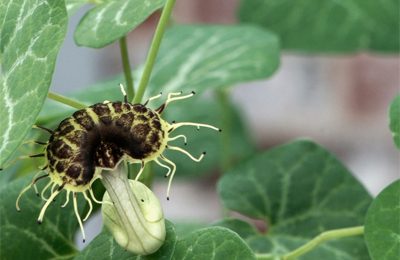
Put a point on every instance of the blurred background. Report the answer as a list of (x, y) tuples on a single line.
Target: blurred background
[(340, 101)]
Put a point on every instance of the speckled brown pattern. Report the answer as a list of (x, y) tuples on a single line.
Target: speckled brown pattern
[(99, 136)]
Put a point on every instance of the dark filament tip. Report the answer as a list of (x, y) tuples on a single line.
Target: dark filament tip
[(45, 129), (41, 143), (37, 155)]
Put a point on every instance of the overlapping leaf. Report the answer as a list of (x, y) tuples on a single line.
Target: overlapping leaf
[(382, 224), (73, 5), (110, 20), (209, 243), (210, 57), (21, 236), (31, 34), (299, 190), (242, 228), (328, 26)]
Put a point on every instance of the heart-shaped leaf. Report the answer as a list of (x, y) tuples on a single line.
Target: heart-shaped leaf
[(200, 57), (328, 26), (208, 243), (111, 20), (31, 35), (299, 190), (22, 238), (382, 224), (242, 228)]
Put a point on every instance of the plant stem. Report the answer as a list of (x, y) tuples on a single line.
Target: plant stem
[(155, 46), (65, 100), (127, 68), (324, 236), (264, 256)]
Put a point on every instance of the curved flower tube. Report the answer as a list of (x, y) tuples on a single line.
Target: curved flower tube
[(135, 219)]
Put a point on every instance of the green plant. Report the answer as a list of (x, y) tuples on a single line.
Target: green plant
[(312, 205)]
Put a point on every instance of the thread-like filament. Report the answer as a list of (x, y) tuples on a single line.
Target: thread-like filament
[(152, 98), (90, 206), (35, 179), (35, 142), (97, 201), (42, 128), (140, 171), (22, 157), (123, 92), (53, 188), (163, 165), (174, 126), (78, 217), (187, 153), (66, 199), (177, 137), (44, 190), (46, 205), (172, 173), (176, 96)]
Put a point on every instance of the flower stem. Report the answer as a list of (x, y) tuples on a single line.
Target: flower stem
[(324, 236), (127, 68), (65, 100), (155, 46)]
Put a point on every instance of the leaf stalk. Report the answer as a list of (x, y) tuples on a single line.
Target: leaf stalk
[(127, 68), (65, 100), (155, 46), (321, 238)]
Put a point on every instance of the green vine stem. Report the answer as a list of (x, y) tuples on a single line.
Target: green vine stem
[(155, 46), (65, 100), (127, 68), (324, 236)]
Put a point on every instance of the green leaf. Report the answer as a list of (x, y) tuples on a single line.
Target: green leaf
[(273, 247), (22, 238), (299, 189), (73, 5), (31, 35), (382, 224), (200, 57), (394, 117), (212, 243), (242, 228), (199, 68), (208, 243), (208, 111), (328, 26), (105, 247), (111, 20), (184, 227)]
